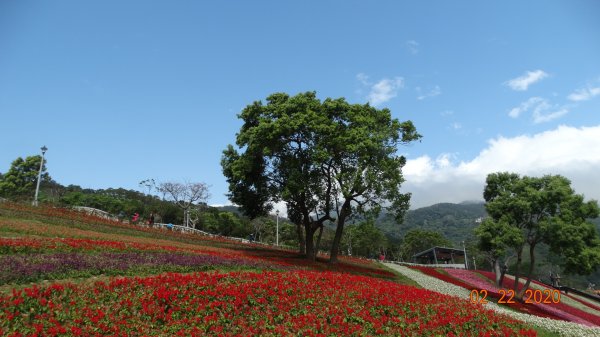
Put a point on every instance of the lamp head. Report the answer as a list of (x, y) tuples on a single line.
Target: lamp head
[(44, 149)]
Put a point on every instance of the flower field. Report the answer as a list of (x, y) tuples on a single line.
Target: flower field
[(32, 267), (304, 303), (561, 327), (570, 299), (475, 284), (559, 310), (25, 229), (68, 274)]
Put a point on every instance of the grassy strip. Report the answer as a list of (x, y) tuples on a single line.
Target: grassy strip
[(399, 277)]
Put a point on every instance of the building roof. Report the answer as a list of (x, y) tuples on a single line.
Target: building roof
[(441, 251)]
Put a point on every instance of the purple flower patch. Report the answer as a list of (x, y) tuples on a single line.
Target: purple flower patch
[(24, 267)]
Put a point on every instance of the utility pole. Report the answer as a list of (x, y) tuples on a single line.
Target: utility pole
[(465, 252), (37, 188), (277, 229)]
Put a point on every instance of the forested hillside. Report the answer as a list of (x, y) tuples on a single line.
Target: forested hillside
[(454, 221), (457, 221)]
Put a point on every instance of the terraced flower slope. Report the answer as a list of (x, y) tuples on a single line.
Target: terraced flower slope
[(303, 303), (561, 318), (67, 274)]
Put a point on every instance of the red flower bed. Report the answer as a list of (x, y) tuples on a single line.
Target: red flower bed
[(586, 303), (444, 277), (206, 245), (247, 304), (57, 212), (491, 276), (9, 245), (541, 309), (270, 256), (509, 283), (492, 292)]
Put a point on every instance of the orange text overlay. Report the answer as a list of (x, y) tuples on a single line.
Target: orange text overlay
[(531, 296)]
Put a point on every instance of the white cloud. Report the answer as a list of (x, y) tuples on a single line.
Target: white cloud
[(544, 113), (413, 46), (281, 207), (220, 205), (584, 94), (382, 91), (523, 107), (363, 78), (278, 206), (456, 125), (569, 151), (542, 110), (521, 83), (432, 93), (444, 160)]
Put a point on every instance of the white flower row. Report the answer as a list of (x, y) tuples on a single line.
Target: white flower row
[(567, 329)]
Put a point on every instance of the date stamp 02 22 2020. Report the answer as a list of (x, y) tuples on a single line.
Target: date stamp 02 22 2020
[(536, 296)]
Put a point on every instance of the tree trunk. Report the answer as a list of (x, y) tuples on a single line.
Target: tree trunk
[(530, 271), (498, 272), (318, 244), (339, 230), (503, 268), (301, 241), (335, 246), (518, 269), (311, 254)]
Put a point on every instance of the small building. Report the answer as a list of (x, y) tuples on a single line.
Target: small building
[(441, 257)]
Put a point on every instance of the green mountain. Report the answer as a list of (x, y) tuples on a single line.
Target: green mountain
[(455, 221), (230, 208)]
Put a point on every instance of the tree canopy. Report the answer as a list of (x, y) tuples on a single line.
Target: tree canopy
[(496, 238), (364, 239), (528, 211), (418, 240), (20, 180), (326, 160), (185, 195)]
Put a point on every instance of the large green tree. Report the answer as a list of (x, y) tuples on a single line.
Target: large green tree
[(542, 210), (418, 240), (20, 180), (496, 238), (362, 162), (326, 160), (364, 239)]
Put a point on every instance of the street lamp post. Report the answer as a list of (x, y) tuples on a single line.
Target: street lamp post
[(37, 188), (277, 229), (465, 251)]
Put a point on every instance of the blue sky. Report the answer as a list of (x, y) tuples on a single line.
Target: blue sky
[(122, 91)]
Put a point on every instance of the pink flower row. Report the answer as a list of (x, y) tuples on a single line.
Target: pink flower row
[(558, 309)]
